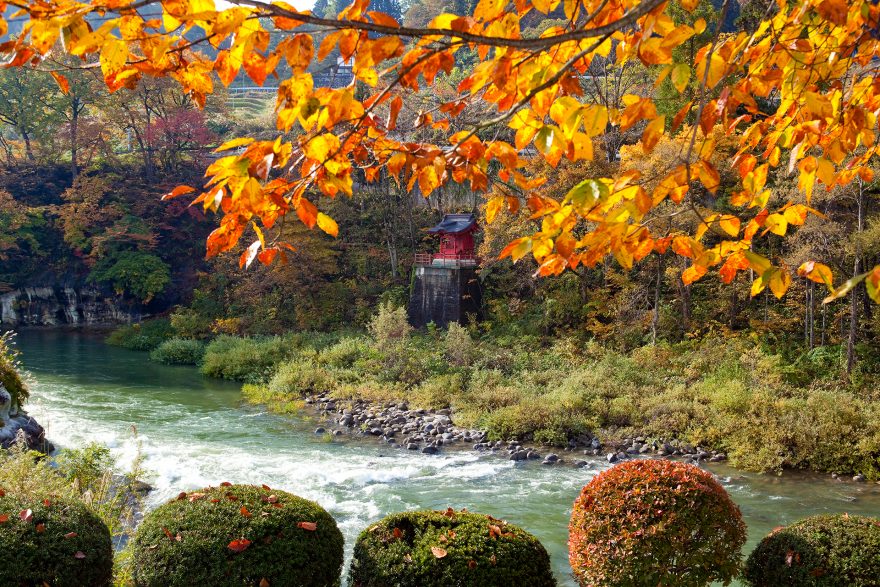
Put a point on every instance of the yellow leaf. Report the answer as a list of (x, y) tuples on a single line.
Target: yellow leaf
[(489, 9), (817, 272), (777, 224), (758, 263), (780, 280), (652, 133), (681, 75), (114, 54), (494, 206), (327, 224), (239, 142), (517, 249), (729, 224)]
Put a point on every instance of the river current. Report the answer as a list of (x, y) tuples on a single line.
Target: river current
[(193, 432)]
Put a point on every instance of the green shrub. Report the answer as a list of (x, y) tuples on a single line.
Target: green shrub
[(179, 351), (187, 323), (390, 324), (10, 370), (86, 466), (237, 535), (460, 347), (818, 551), (428, 548), (246, 359), (53, 542), (298, 378), (645, 523), (144, 336), (137, 273)]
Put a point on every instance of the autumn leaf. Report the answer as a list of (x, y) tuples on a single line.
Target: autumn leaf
[(178, 191), (438, 552), (327, 224), (310, 526), (79, 555), (4, 518), (26, 515), (239, 545)]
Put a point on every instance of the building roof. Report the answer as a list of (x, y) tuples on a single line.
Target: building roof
[(455, 223)]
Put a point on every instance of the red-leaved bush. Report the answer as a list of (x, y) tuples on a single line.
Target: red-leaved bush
[(652, 522)]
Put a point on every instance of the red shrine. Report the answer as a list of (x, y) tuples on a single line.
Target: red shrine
[(456, 242)]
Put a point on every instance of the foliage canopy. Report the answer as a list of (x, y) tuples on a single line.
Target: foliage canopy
[(798, 92)]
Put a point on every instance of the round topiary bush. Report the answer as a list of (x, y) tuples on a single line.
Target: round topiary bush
[(818, 551), (236, 535), (53, 542), (428, 548), (653, 522)]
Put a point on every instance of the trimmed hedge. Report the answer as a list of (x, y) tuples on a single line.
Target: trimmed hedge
[(54, 542), (433, 548), (818, 551), (655, 522), (236, 535)]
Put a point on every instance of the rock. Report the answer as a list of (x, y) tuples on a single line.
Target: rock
[(138, 486), (612, 458), (621, 456), (337, 433), (859, 478), (645, 449), (320, 430), (532, 455), (581, 464), (595, 444), (412, 446), (24, 428), (718, 458), (430, 450), (519, 455), (551, 458), (376, 431)]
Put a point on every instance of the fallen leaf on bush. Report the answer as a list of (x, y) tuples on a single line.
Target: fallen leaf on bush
[(181, 496), (397, 533), (47, 503), (195, 496), (442, 538), (494, 531), (263, 581), (168, 534), (451, 534), (266, 487), (449, 513), (310, 526), (71, 535), (79, 554), (4, 518), (472, 564), (226, 484), (239, 545), (244, 512), (492, 560), (215, 500), (26, 515), (272, 498), (41, 528), (2, 493), (231, 497), (438, 552)]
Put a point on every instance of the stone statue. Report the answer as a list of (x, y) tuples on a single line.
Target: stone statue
[(13, 422), (5, 405)]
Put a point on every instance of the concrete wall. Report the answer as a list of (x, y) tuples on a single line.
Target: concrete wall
[(444, 294)]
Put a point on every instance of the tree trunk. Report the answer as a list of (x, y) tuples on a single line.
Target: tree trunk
[(853, 294), (658, 286), (28, 151), (74, 139)]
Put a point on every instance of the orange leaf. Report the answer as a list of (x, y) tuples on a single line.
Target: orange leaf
[(239, 545), (62, 82), (244, 512), (178, 191), (4, 518), (310, 526)]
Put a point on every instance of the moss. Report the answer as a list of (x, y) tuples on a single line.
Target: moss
[(819, 551), (208, 522), (61, 544), (428, 548)]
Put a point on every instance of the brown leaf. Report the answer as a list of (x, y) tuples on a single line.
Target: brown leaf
[(168, 534), (397, 533), (41, 528), (79, 554), (438, 552), (310, 526), (226, 484), (244, 512), (266, 487), (47, 503), (71, 535), (264, 582), (239, 545), (26, 515), (181, 496), (472, 564), (2, 492), (4, 518), (272, 498)]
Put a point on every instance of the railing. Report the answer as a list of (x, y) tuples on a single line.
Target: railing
[(463, 258)]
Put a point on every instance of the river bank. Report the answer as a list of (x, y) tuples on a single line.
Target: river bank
[(194, 431)]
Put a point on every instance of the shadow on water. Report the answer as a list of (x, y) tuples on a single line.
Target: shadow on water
[(195, 432)]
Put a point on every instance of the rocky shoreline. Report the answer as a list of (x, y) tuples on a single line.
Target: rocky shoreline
[(430, 432)]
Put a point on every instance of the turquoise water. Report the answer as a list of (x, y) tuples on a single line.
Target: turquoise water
[(195, 431)]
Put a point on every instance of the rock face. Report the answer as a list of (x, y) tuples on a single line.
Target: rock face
[(25, 427), (61, 306)]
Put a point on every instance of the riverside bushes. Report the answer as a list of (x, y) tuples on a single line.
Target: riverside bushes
[(179, 351), (818, 551), (236, 535), (434, 548), (53, 542), (144, 336), (648, 523)]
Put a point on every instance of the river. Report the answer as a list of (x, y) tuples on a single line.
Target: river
[(194, 432)]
